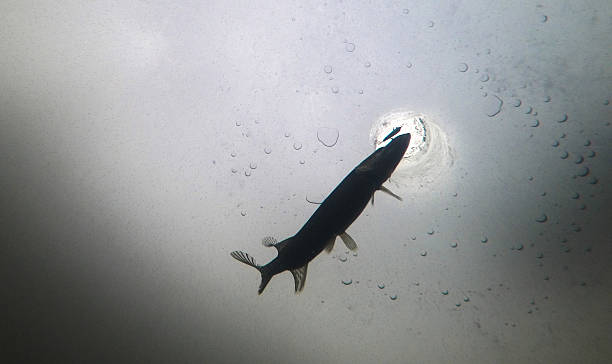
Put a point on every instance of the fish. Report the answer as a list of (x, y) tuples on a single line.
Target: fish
[(333, 216), (392, 133)]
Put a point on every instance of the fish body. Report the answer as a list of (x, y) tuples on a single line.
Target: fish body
[(333, 217)]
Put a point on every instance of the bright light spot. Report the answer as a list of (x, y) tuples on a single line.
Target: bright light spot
[(428, 153)]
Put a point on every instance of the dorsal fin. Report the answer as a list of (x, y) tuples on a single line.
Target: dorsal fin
[(299, 277)]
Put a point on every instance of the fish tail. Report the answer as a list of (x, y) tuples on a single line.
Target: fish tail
[(263, 270)]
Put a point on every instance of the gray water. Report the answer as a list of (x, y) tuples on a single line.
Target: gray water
[(142, 142)]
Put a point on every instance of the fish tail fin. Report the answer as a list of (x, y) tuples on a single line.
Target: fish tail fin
[(249, 260), (265, 279)]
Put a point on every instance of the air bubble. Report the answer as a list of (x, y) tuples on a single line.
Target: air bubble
[(583, 171), (424, 253), (528, 110), (544, 18), (393, 297), (444, 292), (347, 282), (555, 143), (494, 106), (535, 123), (564, 154), (484, 239), (517, 102), (563, 119), (381, 285), (453, 244), (243, 213), (349, 47), (328, 136)]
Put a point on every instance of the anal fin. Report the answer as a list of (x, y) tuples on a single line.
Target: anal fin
[(348, 241), (299, 277), (330, 245)]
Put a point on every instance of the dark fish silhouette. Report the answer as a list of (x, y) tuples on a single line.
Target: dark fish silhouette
[(392, 133), (335, 214)]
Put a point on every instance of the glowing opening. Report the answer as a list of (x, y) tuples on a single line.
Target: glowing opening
[(428, 152)]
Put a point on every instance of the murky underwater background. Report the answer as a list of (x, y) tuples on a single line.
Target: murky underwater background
[(141, 142)]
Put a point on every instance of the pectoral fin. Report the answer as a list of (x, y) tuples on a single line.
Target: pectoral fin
[(299, 277), (386, 190), (348, 241), (330, 245)]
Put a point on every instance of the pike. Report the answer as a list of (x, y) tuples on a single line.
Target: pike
[(335, 214)]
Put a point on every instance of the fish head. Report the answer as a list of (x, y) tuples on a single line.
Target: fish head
[(383, 161)]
